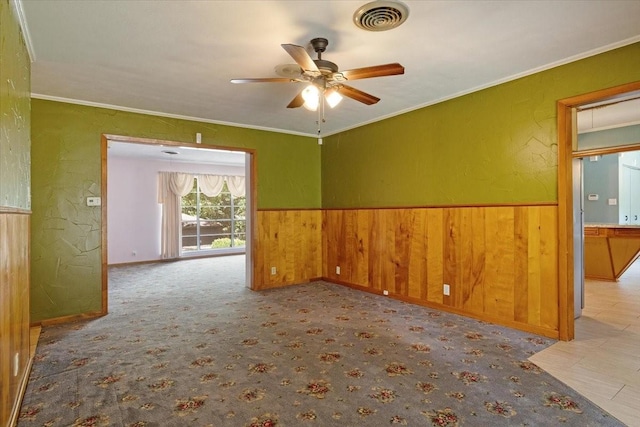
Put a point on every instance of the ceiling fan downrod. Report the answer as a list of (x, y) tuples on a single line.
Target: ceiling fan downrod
[(319, 45)]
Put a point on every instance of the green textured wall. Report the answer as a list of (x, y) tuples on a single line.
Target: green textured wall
[(15, 112), (66, 252), (498, 145)]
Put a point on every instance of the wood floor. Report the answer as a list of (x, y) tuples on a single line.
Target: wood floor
[(603, 362)]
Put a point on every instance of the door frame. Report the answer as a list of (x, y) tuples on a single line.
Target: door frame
[(566, 152), (250, 166)]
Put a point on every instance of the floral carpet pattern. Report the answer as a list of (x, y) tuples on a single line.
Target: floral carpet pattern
[(186, 344)]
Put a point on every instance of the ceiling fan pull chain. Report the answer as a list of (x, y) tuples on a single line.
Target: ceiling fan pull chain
[(319, 116)]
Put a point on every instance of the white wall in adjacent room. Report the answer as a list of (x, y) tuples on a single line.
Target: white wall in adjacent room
[(133, 211)]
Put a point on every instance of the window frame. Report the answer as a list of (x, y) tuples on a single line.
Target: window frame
[(233, 220)]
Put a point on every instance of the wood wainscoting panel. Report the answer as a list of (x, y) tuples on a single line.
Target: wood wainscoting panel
[(14, 312), (499, 261), (290, 241), (499, 288)]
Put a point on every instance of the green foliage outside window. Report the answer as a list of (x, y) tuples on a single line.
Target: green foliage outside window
[(214, 219), (225, 242)]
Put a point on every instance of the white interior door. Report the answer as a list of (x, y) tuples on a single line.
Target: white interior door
[(624, 196)]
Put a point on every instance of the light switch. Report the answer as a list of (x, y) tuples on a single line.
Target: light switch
[(612, 202), (592, 197), (94, 201)]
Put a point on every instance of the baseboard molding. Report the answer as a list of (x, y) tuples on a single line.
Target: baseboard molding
[(549, 333), (70, 319), (182, 258), (24, 381)]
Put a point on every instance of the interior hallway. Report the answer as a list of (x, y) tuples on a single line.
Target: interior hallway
[(603, 362)]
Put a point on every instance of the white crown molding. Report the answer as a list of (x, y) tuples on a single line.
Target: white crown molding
[(169, 115), (17, 6)]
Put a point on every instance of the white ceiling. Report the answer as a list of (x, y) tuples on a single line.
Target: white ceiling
[(176, 154), (176, 58)]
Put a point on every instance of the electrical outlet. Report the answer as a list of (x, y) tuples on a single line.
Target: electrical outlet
[(446, 289), (273, 271), (385, 292), (338, 270)]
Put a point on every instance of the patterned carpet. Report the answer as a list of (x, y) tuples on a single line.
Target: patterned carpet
[(186, 344)]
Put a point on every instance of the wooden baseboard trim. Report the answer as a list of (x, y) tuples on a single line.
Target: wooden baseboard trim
[(24, 381), (549, 333), (70, 319)]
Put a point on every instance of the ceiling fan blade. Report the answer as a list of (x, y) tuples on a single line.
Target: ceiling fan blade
[(300, 55), (297, 101), (358, 95), (264, 80), (374, 71)]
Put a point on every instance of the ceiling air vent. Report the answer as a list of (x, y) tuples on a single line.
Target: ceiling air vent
[(381, 15)]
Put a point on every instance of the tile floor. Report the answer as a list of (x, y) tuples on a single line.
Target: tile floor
[(603, 362)]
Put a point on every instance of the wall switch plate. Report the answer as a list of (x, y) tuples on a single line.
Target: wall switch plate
[(338, 269), (273, 271), (612, 202), (446, 289), (592, 197), (385, 292), (94, 201)]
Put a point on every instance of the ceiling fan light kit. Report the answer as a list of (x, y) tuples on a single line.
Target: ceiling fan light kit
[(332, 97), (311, 96), (325, 83)]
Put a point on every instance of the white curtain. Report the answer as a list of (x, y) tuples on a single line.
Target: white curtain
[(211, 185), (171, 187), (236, 185)]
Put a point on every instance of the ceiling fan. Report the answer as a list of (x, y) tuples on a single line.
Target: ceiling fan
[(325, 78)]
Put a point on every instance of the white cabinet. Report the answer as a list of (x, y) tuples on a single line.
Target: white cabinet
[(629, 194)]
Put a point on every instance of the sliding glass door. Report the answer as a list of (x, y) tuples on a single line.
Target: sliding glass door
[(212, 223)]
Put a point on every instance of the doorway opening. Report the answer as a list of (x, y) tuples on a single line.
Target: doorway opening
[(569, 222), (138, 221)]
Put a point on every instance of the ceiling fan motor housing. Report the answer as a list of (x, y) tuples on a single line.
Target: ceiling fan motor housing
[(326, 67), (319, 45)]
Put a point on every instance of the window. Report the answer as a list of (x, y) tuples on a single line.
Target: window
[(212, 223)]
